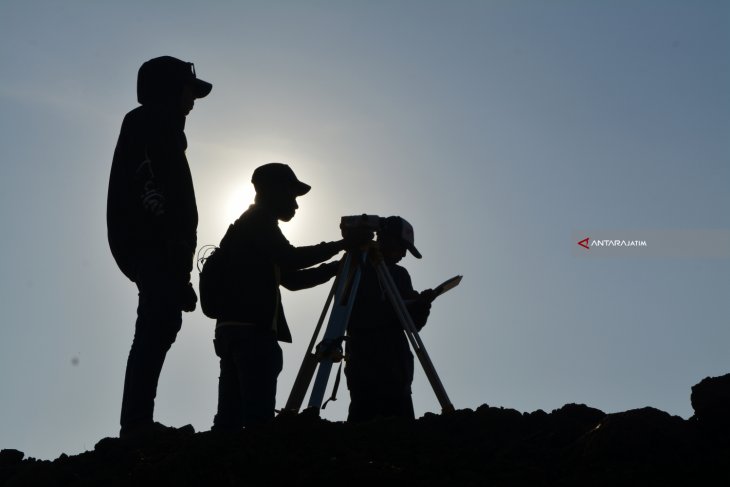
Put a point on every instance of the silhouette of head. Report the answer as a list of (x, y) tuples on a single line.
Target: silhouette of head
[(170, 83), (395, 237), (277, 188)]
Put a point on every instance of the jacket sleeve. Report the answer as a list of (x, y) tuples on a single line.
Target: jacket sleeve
[(306, 278), (151, 192), (417, 306), (294, 258), (139, 157)]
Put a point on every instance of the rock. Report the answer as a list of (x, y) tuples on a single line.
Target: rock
[(578, 413), (576, 417), (574, 445), (639, 436), (711, 402), (10, 457), (10, 462)]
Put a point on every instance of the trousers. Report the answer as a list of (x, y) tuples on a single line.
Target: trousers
[(379, 375), (250, 362), (159, 319)]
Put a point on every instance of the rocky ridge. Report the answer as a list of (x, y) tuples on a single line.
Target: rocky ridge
[(571, 446)]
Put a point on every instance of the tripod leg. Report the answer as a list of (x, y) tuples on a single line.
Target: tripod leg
[(336, 327), (309, 363), (412, 333)]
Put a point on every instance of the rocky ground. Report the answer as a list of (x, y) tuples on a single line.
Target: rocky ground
[(571, 446)]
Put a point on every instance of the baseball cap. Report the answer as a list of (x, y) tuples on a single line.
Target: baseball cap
[(398, 227), (158, 76), (278, 175)]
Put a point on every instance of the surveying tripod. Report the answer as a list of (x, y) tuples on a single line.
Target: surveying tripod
[(328, 351)]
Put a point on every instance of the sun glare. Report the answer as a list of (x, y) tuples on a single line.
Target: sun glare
[(243, 196), (238, 201), (236, 192)]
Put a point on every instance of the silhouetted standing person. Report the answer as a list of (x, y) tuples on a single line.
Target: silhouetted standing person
[(251, 320), (379, 367), (152, 221)]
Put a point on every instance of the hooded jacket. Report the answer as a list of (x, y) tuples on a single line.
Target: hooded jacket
[(151, 209)]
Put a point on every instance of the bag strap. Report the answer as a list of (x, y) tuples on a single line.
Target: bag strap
[(203, 254)]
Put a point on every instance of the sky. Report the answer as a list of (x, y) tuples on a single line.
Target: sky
[(503, 131)]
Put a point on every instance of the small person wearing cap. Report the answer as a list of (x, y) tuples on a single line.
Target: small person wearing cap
[(251, 318), (152, 220), (379, 367)]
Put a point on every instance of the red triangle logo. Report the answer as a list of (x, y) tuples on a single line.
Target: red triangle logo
[(584, 243)]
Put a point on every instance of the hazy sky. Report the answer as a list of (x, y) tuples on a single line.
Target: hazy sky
[(499, 129)]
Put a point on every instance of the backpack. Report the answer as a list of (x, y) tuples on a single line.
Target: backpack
[(213, 268)]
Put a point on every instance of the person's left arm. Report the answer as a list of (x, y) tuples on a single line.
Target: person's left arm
[(295, 280), (418, 304)]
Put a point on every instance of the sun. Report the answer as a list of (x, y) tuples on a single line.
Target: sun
[(238, 201), (243, 196)]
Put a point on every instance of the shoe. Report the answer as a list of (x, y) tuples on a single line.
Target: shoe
[(153, 430)]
